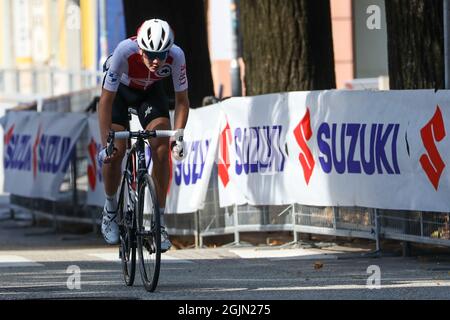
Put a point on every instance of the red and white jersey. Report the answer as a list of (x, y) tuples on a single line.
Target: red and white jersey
[(127, 67)]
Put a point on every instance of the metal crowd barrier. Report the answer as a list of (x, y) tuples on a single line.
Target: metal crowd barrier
[(70, 206), (351, 222)]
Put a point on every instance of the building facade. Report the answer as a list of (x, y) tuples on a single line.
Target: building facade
[(57, 40)]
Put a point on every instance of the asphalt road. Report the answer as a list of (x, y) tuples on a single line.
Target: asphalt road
[(36, 263)]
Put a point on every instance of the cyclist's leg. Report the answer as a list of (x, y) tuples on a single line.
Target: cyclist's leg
[(112, 172), (125, 98), (160, 173), (154, 115), (160, 158)]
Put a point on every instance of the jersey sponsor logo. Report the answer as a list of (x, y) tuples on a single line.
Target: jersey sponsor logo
[(113, 77), (431, 162), (164, 71), (148, 111), (183, 78)]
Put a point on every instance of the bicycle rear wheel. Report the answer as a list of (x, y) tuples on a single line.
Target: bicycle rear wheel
[(127, 224), (149, 233)]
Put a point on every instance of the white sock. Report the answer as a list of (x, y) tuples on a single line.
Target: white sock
[(161, 213), (111, 203)]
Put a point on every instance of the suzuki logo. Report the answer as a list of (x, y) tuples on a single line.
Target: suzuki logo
[(92, 168), (224, 157), (432, 162), (35, 150), (9, 135), (303, 133)]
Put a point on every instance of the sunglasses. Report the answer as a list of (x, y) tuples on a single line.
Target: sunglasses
[(157, 55)]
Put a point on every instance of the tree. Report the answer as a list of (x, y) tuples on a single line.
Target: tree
[(287, 45), (416, 53), (415, 44), (187, 19)]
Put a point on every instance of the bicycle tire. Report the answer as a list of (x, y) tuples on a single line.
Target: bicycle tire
[(149, 234), (127, 227)]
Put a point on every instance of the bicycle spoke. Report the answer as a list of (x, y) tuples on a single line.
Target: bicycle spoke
[(127, 229), (149, 241)]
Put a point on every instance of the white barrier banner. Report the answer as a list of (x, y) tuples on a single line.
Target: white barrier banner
[(339, 148), (252, 159), (385, 150), (37, 151), (190, 178)]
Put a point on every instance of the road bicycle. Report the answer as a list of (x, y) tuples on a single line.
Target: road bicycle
[(138, 210)]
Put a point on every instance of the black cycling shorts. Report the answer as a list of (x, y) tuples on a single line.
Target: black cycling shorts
[(150, 104)]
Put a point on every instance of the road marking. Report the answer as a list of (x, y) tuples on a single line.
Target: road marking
[(283, 254), (8, 261), (114, 257), (405, 284)]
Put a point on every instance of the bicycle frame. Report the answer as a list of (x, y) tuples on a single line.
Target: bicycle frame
[(138, 180), (139, 149)]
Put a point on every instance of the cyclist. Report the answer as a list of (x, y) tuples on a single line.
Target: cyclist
[(132, 79)]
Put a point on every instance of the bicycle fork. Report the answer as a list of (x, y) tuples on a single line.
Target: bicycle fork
[(131, 181), (141, 172)]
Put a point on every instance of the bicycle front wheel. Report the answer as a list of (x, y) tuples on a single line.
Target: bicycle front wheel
[(127, 227), (149, 233)]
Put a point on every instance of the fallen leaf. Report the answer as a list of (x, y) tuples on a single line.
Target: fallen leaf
[(318, 265)]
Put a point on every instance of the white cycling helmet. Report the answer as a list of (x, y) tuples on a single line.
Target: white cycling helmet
[(155, 35)]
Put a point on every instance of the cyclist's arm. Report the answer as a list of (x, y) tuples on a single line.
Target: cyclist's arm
[(180, 86), (116, 65), (181, 109), (104, 113)]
